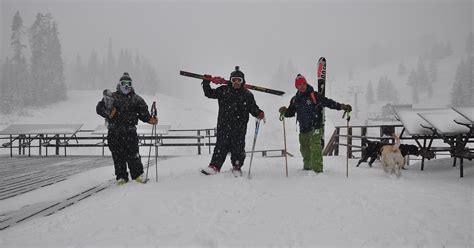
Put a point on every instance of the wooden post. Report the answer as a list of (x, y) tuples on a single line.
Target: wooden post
[(29, 145), (57, 144), (40, 143), (363, 140), (199, 142), (11, 146)]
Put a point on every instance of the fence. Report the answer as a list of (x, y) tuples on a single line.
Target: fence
[(199, 138)]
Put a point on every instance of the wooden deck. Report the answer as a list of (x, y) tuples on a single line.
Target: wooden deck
[(19, 175)]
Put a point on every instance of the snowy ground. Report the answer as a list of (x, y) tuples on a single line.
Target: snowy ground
[(431, 208)]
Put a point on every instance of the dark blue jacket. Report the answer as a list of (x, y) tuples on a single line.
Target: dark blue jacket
[(308, 109)]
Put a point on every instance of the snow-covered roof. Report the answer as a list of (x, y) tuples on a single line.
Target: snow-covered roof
[(141, 129), (16, 129)]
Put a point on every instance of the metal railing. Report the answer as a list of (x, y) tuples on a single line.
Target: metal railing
[(199, 138)]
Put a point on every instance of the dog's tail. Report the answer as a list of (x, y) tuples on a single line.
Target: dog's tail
[(396, 146)]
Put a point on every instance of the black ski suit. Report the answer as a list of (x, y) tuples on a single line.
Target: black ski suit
[(234, 108), (122, 136)]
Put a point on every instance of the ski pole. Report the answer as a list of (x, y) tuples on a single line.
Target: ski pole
[(257, 125), (282, 118), (347, 148), (153, 133), (156, 155)]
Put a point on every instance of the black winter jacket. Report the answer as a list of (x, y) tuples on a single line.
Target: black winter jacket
[(309, 113), (234, 108), (129, 107)]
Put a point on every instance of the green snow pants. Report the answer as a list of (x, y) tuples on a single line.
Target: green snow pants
[(311, 150)]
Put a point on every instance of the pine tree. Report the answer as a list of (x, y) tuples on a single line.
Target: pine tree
[(402, 70), (386, 91), (470, 44), (39, 66), (56, 64), (432, 71), (47, 67), (6, 98), (462, 93), (423, 81), (370, 92), (93, 70), (19, 69), (412, 81)]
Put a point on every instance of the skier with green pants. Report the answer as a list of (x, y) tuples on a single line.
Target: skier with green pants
[(307, 105)]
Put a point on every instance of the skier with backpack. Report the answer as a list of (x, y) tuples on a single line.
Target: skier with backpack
[(122, 115), (307, 105), (235, 104)]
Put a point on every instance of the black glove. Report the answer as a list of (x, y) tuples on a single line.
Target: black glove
[(346, 107), (207, 79), (282, 110)]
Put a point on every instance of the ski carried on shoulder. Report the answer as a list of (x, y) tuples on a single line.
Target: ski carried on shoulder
[(247, 86)]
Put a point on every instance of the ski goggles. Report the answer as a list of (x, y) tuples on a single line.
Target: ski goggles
[(126, 83), (237, 80)]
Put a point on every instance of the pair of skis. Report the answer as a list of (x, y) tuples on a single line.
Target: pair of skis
[(247, 86)]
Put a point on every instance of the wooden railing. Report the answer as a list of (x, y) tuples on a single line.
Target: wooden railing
[(356, 137)]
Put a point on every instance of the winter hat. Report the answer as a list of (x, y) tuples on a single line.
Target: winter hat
[(300, 80), (238, 73), (126, 77)]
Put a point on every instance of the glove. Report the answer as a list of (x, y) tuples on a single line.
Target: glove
[(206, 79), (346, 107), (112, 113), (261, 115), (153, 120), (282, 110), (217, 80)]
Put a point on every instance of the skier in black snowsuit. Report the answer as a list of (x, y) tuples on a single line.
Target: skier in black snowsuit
[(127, 109), (235, 104)]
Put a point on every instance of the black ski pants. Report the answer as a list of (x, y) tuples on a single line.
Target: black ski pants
[(229, 142), (123, 145)]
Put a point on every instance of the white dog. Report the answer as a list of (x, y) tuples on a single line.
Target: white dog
[(391, 159)]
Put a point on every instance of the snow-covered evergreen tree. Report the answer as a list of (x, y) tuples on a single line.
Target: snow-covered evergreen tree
[(402, 70), (386, 92), (19, 70), (47, 67), (93, 71), (370, 92), (412, 81), (462, 93), (470, 44), (6, 97), (58, 86), (432, 72)]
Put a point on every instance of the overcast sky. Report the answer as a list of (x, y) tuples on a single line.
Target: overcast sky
[(213, 36)]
